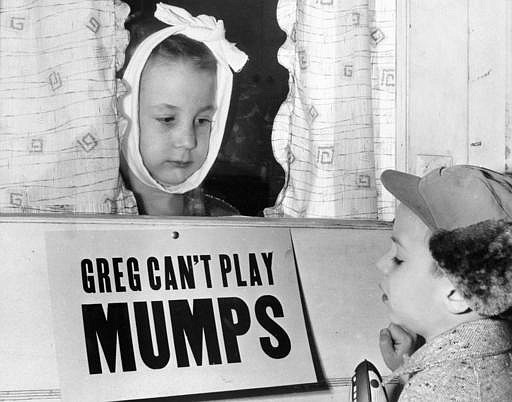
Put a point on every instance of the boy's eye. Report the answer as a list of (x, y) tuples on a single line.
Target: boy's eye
[(203, 125), (202, 121), (397, 261), (166, 119)]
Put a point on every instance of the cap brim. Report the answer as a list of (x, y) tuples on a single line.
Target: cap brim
[(405, 188)]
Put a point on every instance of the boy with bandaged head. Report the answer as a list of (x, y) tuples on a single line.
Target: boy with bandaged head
[(179, 76), (448, 278)]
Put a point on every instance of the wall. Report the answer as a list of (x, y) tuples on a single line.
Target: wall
[(455, 59), (336, 267)]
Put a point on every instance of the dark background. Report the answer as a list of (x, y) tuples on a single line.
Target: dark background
[(245, 174)]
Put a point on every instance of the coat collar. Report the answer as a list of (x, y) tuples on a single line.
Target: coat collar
[(485, 337)]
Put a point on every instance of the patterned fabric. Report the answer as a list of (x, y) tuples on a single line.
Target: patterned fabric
[(471, 363), (335, 133), (59, 147)]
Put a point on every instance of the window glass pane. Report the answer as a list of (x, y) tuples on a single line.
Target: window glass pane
[(311, 123)]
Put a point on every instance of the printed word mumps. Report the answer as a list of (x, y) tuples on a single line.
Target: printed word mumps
[(193, 323), (116, 274)]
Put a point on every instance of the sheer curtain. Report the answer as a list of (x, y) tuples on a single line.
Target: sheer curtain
[(335, 132), (58, 121)]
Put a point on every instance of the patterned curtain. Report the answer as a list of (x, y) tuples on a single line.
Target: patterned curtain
[(335, 133), (58, 123)]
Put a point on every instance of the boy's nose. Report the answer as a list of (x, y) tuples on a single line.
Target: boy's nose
[(186, 138)]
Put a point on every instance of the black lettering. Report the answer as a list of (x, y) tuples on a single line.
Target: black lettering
[(239, 280), (154, 282), (150, 359), (170, 277), (230, 329), (192, 325), (103, 278), (186, 272), (283, 340), (87, 276), (267, 259), (225, 267), (133, 274), (254, 271), (107, 330), (206, 262), (118, 274)]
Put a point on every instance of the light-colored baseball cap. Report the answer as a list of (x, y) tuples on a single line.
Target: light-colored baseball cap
[(453, 197), (459, 204)]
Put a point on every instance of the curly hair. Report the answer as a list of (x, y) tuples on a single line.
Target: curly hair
[(478, 260)]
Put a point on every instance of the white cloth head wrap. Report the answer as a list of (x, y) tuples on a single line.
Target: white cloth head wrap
[(211, 32)]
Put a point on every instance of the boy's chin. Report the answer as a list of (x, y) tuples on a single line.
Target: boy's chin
[(411, 328), (402, 323), (175, 180)]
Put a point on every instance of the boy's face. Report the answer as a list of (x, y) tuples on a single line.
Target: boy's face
[(413, 294), (176, 106)]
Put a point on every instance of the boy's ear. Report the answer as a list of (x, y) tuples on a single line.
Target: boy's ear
[(454, 302)]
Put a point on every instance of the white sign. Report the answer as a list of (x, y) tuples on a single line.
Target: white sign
[(152, 313)]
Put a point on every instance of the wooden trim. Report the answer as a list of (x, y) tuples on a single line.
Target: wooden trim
[(30, 395), (402, 84), (55, 394), (241, 221), (508, 83)]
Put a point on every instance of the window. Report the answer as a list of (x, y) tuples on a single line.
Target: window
[(308, 136), (333, 130)]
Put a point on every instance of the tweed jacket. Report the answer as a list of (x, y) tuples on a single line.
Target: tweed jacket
[(469, 363)]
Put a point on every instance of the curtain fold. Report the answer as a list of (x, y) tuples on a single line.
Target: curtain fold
[(334, 133), (58, 120)]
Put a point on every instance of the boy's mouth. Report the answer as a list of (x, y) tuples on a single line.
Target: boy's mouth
[(179, 164)]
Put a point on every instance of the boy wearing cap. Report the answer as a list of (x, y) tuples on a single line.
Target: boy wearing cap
[(448, 278)]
